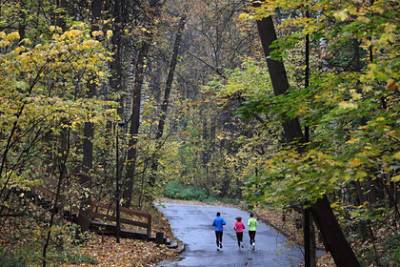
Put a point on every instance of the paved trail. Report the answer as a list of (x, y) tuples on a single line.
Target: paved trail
[(192, 224)]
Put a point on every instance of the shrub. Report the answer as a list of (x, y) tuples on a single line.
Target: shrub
[(10, 260), (392, 250), (177, 190)]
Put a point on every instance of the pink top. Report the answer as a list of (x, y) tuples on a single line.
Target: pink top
[(239, 227)]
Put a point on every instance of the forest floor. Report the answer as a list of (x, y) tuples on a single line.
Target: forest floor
[(21, 247), (128, 253), (131, 252)]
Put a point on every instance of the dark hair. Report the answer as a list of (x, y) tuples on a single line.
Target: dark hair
[(239, 219), (251, 214), (218, 213)]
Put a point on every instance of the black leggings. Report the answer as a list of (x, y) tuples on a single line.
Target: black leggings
[(218, 238), (239, 237), (252, 235)]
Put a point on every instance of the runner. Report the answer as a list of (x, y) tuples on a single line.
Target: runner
[(218, 224), (252, 224), (239, 228)]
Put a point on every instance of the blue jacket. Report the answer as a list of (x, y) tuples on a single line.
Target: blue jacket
[(218, 224)]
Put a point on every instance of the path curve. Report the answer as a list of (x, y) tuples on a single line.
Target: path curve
[(191, 223)]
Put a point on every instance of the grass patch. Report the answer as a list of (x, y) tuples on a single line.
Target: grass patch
[(177, 190)]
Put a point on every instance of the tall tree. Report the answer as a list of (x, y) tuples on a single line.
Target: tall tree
[(140, 65), (135, 123), (167, 92), (333, 237), (88, 132)]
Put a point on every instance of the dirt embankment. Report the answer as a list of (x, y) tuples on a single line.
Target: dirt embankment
[(130, 252), (16, 237), (289, 223)]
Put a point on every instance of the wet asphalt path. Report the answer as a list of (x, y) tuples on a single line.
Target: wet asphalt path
[(192, 225)]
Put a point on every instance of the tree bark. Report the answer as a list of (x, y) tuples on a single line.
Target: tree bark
[(310, 258), (280, 84), (116, 64), (135, 123), (135, 116), (170, 78), (87, 146), (333, 237), (167, 92), (62, 168)]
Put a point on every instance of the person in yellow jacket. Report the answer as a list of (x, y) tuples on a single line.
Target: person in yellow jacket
[(252, 226)]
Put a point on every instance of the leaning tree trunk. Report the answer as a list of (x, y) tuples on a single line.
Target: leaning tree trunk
[(333, 237), (154, 13), (167, 92), (135, 123)]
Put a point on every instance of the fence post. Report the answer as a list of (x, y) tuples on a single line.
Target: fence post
[(149, 226)]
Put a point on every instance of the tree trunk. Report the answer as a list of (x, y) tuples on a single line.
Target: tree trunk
[(87, 161), (116, 64), (332, 234), (135, 123), (22, 21), (62, 168), (155, 12), (170, 78), (309, 240), (278, 75), (167, 92), (310, 257)]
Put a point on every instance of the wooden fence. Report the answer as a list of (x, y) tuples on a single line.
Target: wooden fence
[(129, 218), (141, 219)]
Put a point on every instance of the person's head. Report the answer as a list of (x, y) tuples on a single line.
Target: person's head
[(218, 214), (239, 219), (251, 215)]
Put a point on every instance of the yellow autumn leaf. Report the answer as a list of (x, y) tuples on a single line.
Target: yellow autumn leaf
[(352, 141), (12, 36), (244, 16), (360, 175), (355, 95), (347, 105), (396, 178), (392, 85), (396, 155), (341, 15), (109, 34), (97, 33), (355, 163)]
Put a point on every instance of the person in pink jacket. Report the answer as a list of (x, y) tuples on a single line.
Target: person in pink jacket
[(239, 229)]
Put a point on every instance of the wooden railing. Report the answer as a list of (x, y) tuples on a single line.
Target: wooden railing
[(142, 219), (106, 213)]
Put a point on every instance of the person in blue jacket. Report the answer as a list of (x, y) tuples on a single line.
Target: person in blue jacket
[(218, 224)]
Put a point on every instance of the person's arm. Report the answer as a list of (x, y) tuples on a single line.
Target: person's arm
[(223, 222), (213, 224)]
